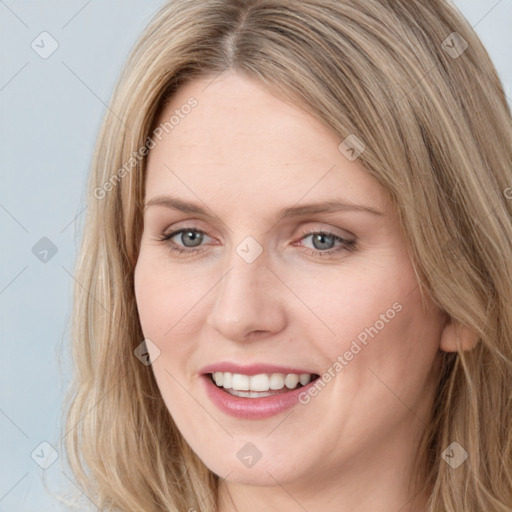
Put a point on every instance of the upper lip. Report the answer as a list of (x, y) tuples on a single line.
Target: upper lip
[(252, 369)]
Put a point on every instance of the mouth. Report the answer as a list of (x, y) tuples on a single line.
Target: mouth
[(255, 391), (261, 385)]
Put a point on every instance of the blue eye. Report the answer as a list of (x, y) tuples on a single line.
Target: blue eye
[(323, 242), (187, 235), (320, 239)]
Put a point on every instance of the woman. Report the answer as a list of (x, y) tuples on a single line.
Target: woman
[(295, 279)]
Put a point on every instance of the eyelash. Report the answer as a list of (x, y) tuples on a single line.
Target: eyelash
[(348, 245)]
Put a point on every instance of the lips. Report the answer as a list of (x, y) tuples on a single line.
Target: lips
[(256, 391)]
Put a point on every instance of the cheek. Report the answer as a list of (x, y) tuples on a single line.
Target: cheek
[(352, 304), (170, 305), (372, 318), (164, 298), (164, 304)]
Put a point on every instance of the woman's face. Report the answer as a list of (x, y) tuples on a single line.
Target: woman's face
[(252, 288)]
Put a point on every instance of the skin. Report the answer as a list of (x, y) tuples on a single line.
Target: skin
[(245, 154)]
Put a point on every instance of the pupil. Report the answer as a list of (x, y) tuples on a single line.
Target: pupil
[(321, 238), (196, 238)]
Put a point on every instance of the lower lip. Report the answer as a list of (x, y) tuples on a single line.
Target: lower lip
[(252, 408)]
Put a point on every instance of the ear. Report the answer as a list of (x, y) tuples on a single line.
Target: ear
[(456, 336)]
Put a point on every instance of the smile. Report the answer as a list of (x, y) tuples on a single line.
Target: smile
[(261, 385), (256, 391)]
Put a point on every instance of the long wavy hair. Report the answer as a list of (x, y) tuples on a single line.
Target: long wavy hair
[(410, 79)]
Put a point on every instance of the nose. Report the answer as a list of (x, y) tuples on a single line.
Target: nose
[(249, 299)]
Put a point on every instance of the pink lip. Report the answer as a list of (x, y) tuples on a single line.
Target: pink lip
[(252, 369), (253, 408)]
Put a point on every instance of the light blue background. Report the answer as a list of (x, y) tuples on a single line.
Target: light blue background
[(50, 112)]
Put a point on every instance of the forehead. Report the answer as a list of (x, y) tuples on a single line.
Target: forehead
[(241, 143)]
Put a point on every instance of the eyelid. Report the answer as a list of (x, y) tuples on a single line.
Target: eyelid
[(331, 230)]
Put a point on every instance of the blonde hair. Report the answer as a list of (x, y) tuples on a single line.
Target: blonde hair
[(438, 137)]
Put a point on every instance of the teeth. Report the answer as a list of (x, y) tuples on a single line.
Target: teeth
[(227, 379), (219, 377), (259, 382), (305, 378), (241, 382), (262, 382), (291, 381), (277, 381)]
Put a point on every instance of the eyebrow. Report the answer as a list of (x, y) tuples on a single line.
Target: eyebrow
[(292, 211)]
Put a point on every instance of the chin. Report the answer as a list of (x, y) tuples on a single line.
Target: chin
[(270, 472)]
